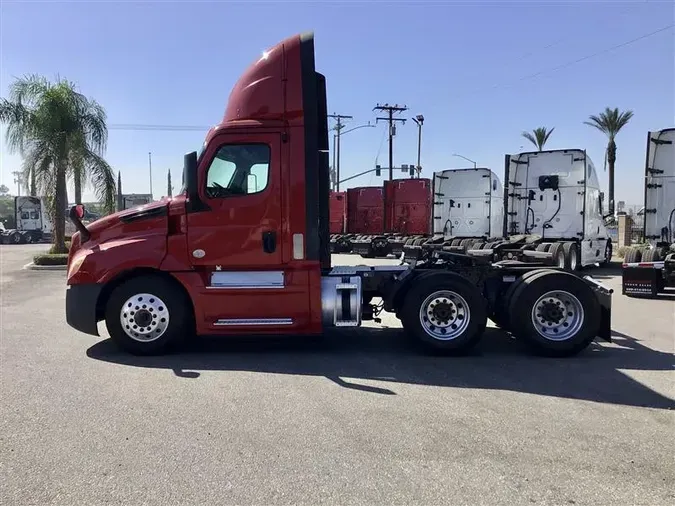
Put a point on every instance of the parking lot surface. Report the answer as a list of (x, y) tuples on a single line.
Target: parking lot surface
[(360, 417)]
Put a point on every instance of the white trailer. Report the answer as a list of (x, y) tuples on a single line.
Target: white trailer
[(468, 210), (652, 272), (553, 211)]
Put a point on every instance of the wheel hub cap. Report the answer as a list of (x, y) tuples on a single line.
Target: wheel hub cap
[(558, 315), (444, 315), (144, 317)]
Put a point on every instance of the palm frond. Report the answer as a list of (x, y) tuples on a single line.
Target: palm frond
[(102, 178), (529, 137), (610, 121)]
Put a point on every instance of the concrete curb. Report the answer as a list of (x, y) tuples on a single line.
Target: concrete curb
[(32, 267)]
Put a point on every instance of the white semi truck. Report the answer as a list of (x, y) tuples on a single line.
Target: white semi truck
[(33, 223), (553, 212), (652, 272)]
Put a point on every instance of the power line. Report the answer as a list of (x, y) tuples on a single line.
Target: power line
[(579, 60)]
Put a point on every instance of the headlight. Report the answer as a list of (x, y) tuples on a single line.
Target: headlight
[(75, 265)]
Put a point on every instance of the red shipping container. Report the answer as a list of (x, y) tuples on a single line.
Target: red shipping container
[(408, 206), (365, 210), (338, 212)]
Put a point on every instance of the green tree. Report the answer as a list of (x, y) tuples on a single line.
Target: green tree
[(610, 122), (169, 186), (3, 190), (61, 134), (538, 137)]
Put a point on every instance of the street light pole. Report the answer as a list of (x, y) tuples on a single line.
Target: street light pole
[(465, 158), (419, 119)]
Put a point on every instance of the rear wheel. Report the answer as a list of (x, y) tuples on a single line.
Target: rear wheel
[(572, 256), (607, 257), (632, 255), (558, 255), (555, 313), (445, 313), (501, 312), (147, 315), (652, 255)]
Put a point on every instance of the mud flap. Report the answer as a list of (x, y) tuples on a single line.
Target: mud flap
[(604, 296)]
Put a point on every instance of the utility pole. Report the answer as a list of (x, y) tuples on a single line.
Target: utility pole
[(338, 127), (390, 110)]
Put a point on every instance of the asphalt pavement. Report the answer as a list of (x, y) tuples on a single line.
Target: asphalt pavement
[(355, 418)]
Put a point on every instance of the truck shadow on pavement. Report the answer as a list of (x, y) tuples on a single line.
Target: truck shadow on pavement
[(387, 356)]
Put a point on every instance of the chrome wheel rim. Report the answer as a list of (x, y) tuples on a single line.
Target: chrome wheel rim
[(144, 317), (557, 315), (444, 315)]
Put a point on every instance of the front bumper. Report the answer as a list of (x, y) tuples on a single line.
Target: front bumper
[(81, 301)]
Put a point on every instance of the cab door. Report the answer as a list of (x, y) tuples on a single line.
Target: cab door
[(240, 184)]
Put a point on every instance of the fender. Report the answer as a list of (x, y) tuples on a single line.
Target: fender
[(399, 288), (105, 261)]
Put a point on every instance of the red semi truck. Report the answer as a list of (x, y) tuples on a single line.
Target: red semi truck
[(244, 247)]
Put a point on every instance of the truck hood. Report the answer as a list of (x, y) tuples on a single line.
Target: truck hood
[(148, 219)]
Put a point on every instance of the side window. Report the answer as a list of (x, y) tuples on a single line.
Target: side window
[(25, 215), (238, 169)]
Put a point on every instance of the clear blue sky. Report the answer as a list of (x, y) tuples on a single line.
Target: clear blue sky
[(464, 65)]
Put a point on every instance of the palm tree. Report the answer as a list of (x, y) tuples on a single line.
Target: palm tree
[(538, 136), (61, 134), (610, 122)]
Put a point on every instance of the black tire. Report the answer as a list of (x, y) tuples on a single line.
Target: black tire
[(566, 291), (558, 255), (545, 246), (459, 299), (572, 256), (607, 257), (15, 238), (165, 299), (651, 255), (632, 255), (501, 313)]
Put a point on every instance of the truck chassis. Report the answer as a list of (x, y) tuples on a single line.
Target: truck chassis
[(443, 300)]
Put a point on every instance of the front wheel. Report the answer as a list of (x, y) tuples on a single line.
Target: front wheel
[(147, 315), (445, 313), (555, 313)]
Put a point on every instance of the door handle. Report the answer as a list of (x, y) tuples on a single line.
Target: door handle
[(269, 240)]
